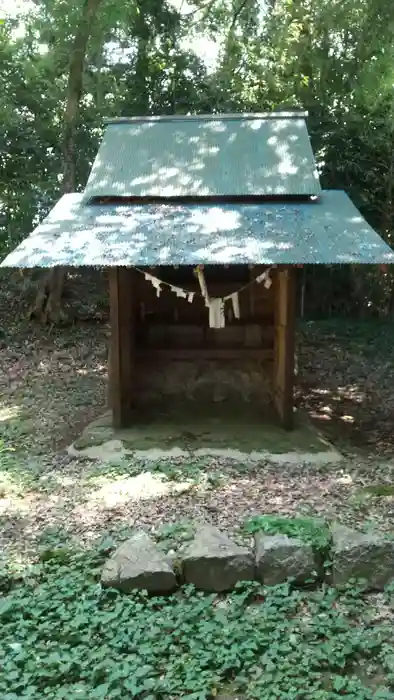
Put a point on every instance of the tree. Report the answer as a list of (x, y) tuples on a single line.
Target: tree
[(336, 60), (48, 301), (146, 22)]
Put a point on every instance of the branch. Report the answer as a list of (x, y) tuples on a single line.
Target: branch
[(207, 6), (237, 13)]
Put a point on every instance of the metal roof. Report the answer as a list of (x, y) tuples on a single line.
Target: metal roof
[(233, 155), (329, 230), (283, 114)]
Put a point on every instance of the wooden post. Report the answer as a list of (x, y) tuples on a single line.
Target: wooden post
[(285, 289), (122, 342)]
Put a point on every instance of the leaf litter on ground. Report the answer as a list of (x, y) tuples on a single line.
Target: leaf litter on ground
[(53, 382)]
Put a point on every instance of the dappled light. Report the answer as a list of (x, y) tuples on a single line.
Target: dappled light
[(340, 400), (324, 231), (66, 376), (143, 487), (59, 385), (344, 478), (8, 412), (345, 383), (85, 505), (252, 197), (195, 156), (348, 419)]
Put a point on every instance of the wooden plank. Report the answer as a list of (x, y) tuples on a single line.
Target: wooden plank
[(122, 342), (206, 354), (284, 345), (192, 335), (165, 317)]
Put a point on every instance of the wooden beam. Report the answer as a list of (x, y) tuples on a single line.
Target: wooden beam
[(284, 353), (122, 344), (194, 354)]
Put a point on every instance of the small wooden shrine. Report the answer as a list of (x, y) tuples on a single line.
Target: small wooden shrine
[(201, 222)]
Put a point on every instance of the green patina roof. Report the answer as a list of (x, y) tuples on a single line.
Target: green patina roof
[(216, 156), (221, 155), (329, 230)]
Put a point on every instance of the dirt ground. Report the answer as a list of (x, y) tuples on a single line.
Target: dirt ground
[(53, 383)]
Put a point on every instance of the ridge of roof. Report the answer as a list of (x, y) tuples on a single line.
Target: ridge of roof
[(285, 114)]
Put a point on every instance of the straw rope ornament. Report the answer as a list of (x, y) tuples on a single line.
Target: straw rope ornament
[(215, 305)]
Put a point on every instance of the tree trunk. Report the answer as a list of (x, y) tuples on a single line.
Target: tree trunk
[(47, 306)]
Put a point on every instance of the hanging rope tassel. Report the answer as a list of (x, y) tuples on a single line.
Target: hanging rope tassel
[(215, 305), (203, 285), (217, 318), (234, 298)]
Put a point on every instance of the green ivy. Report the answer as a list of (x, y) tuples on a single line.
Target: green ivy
[(310, 530), (62, 636), (174, 535)]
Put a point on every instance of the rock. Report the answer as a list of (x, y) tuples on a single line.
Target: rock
[(139, 564), (279, 558), (368, 556), (213, 562)]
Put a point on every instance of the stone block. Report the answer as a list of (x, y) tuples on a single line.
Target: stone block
[(358, 555), (213, 562), (138, 564), (279, 557)]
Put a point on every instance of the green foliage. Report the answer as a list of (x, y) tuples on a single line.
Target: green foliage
[(170, 469), (16, 474), (174, 535), (377, 490), (310, 530), (180, 470), (64, 637), (334, 59), (369, 338)]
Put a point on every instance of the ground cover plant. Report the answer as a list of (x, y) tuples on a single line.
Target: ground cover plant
[(310, 530), (65, 637)]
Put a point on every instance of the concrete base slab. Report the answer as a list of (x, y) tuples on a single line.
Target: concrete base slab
[(242, 438)]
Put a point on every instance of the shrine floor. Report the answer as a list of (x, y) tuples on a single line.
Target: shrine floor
[(217, 429)]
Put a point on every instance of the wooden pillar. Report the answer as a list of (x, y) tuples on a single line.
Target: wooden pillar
[(122, 344), (285, 290)]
